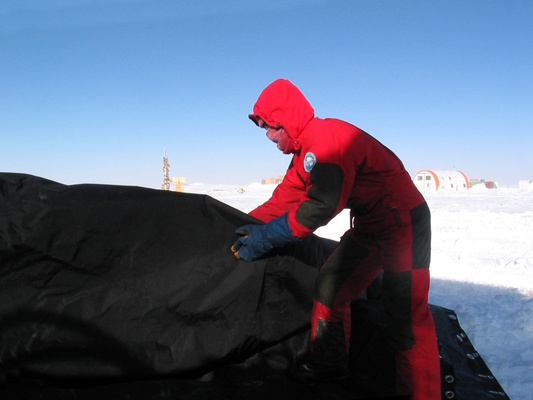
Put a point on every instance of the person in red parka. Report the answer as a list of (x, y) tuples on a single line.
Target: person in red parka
[(337, 166)]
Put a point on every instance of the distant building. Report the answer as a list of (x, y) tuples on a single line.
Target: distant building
[(485, 182), (525, 185), (272, 181), (179, 183), (428, 181)]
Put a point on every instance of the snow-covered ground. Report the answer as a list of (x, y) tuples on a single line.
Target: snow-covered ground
[(482, 268)]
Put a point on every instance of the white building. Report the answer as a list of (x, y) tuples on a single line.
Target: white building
[(525, 186), (428, 181)]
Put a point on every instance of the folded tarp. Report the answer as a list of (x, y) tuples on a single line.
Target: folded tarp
[(133, 291)]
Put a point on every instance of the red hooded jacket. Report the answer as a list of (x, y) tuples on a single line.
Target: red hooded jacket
[(335, 166)]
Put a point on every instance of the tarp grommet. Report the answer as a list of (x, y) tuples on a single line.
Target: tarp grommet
[(449, 394)]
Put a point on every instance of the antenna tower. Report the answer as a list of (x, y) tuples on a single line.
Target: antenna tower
[(166, 169)]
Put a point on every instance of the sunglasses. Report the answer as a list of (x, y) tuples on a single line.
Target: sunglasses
[(267, 127)]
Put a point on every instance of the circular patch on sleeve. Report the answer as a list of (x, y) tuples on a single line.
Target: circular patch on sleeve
[(309, 161)]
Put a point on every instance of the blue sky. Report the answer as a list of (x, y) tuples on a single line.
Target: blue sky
[(94, 91)]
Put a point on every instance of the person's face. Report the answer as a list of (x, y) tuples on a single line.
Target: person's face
[(280, 137)]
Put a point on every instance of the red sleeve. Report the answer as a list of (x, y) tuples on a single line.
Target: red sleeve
[(329, 181), (313, 193), (322, 202)]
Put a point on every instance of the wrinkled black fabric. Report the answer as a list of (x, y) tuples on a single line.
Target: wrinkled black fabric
[(125, 292), (121, 281)]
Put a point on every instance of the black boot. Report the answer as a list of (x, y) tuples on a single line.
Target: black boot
[(328, 359), (310, 372)]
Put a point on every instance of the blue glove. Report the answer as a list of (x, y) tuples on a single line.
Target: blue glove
[(260, 239)]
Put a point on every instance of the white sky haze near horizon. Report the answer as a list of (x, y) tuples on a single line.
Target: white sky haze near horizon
[(94, 91)]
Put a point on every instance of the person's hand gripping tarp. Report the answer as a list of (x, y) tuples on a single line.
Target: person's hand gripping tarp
[(257, 240)]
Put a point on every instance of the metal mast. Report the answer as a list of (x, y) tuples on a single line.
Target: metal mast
[(166, 169)]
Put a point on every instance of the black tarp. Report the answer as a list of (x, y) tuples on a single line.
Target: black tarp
[(126, 292)]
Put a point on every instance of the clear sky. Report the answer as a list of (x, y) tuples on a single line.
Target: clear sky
[(93, 91)]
